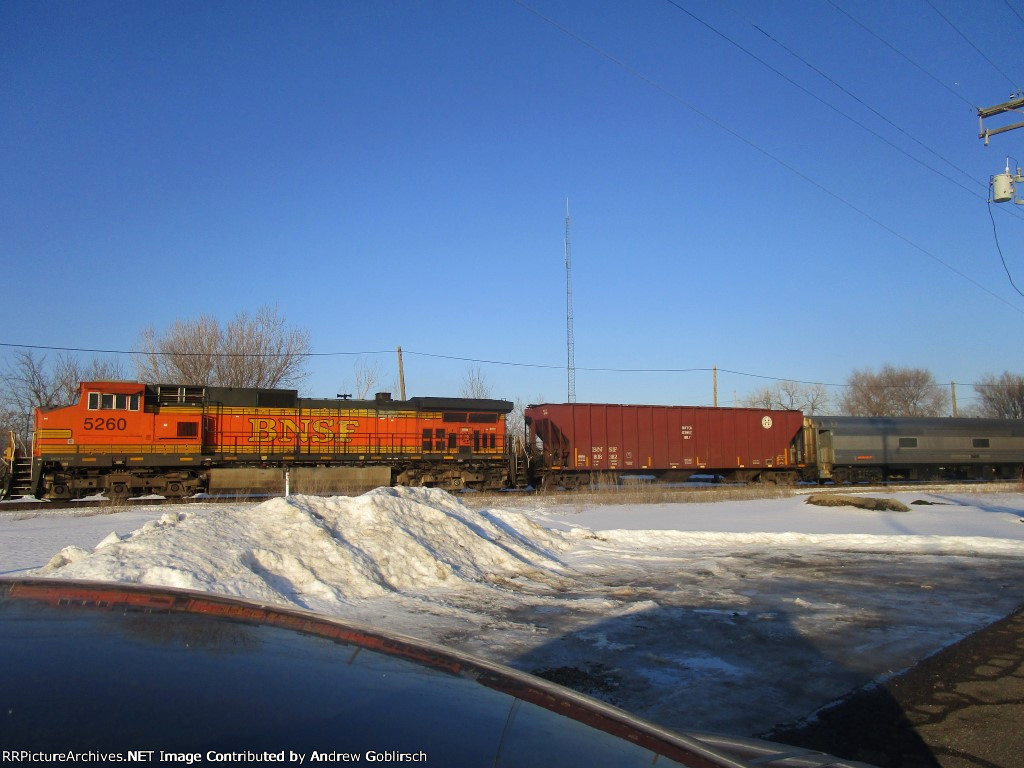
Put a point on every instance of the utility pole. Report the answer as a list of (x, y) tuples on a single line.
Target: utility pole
[(1015, 104), (569, 342), (1003, 186), (952, 385)]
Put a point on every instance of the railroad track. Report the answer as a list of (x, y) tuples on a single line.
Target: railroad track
[(37, 505), (653, 493)]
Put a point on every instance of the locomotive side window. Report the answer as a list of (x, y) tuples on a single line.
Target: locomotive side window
[(908, 442), (102, 402), (981, 442)]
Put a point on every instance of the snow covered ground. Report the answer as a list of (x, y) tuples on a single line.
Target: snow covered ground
[(729, 616)]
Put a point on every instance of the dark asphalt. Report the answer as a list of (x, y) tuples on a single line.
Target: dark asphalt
[(961, 708)]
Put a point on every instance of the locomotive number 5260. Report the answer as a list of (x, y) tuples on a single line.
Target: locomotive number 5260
[(106, 425)]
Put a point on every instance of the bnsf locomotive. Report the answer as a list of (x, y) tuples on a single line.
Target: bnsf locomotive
[(127, 439)]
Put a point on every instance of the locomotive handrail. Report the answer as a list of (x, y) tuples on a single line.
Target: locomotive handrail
[(11, 450)]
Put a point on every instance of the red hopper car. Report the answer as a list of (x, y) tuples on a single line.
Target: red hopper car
[(581, 442)]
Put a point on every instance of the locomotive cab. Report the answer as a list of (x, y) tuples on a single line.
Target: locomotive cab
[(104, 442)]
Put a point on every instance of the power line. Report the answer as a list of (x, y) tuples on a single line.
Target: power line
[(158, 353), (856, 98), (815, 96), (976, 48), (753, 145), (1015, 11), (896, 50), (995, 234), (456, 358)]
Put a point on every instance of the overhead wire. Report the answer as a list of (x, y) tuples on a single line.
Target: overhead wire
[(753, 145), (999, 248), (900, 53), (856, 98), (967, 40), (439, 356), (1015, 11), (815, 96)]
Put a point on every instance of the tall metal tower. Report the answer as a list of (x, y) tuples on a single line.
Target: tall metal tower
[(571, 361)]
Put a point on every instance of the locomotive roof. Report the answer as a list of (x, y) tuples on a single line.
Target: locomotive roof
[(415, 404), (289, 398)]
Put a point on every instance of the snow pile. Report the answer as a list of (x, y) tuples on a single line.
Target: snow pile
[(324, 552)]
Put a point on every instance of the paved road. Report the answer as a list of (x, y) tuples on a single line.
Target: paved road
[(961, 708)]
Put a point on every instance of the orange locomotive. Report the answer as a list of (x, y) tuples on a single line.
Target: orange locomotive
[(128, 438)]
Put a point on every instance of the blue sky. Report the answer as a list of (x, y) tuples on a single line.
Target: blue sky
[(396, 173)]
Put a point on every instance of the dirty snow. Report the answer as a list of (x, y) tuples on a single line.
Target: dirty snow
[(731, 616)]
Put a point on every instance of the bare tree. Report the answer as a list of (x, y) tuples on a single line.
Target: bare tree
[(790, 396), (1001, 397), (366, 377), (185, 353), (475, 384), (515, 424), (30, 382), (893, 392), (258, 350)]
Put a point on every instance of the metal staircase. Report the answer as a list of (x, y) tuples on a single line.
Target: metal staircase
[(17, 479), (518, 464), (20, 480)]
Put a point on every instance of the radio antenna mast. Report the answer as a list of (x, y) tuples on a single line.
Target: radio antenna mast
[(570, 360)]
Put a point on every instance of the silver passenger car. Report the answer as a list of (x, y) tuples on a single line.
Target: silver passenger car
[(866, 449)]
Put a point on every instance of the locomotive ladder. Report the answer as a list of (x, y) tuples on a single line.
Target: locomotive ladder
[(19, 477), (518, 465), (20, 483)]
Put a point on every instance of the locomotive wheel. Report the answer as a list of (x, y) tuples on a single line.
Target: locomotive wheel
[(59, 491)]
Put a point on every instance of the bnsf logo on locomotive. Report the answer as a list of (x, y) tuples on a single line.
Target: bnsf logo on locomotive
[(311, 431)]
